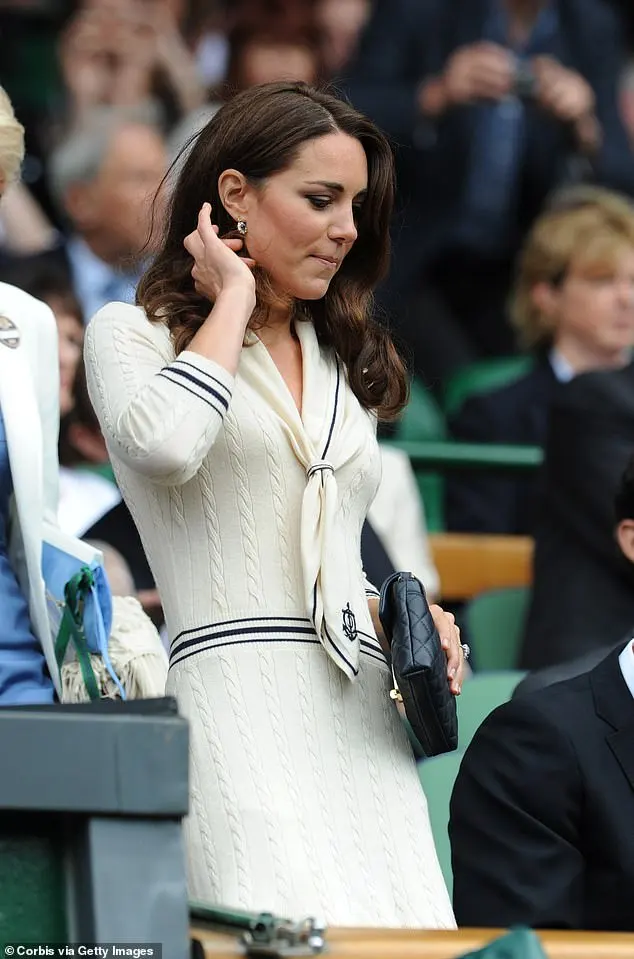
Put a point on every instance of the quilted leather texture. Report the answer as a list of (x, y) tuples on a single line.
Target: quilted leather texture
[(420, 663)]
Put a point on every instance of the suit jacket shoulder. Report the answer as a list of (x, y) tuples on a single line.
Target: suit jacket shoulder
[(541, 809), (599, 391), (515, 413)]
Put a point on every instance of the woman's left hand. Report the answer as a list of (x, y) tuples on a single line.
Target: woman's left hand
[(450, 638)]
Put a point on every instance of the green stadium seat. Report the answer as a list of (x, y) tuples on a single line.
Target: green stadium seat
[(437, 776), (423, 420), (482, 377), (481, 693), (494, 622)]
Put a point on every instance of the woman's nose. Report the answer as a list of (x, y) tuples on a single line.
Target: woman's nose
[(344, 229)]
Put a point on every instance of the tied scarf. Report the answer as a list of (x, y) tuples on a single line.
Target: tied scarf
[(330, 433)]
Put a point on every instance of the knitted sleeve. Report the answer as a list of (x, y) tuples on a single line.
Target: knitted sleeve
[(159, 417)]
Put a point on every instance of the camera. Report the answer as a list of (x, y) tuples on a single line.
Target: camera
[(525, 83)]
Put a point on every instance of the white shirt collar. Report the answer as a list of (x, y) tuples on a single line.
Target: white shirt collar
[(561, 367), (626, 662), (96, 282)]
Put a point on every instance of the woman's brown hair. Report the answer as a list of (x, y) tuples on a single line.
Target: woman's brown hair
[(260, 132)]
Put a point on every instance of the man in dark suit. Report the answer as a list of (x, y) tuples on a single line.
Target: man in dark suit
[(491, 104), (583, 586), (572, 324), (542, 808)]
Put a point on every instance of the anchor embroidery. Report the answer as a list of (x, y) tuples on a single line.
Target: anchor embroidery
[(349, 623)]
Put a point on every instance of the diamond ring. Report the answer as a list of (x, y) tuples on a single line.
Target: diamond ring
[(466, 649)]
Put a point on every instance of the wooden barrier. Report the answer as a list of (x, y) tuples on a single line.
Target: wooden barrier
[(417, 944), (469, 564)]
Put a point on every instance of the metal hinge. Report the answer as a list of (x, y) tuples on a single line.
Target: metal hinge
[(279, 938)]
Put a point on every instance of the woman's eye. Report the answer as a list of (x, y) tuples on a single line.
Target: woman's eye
[(319, 202)]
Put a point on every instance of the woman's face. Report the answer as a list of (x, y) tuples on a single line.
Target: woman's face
[(302, 221), (70, 334)]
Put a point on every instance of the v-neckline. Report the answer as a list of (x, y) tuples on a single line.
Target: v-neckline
[(298, 409)]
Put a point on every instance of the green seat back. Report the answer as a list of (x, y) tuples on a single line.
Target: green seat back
[(423, 420), (480, 695), (495, 626), (483, 377), (437, 776)]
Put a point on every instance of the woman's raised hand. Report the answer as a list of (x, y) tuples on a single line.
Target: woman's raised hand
[(217, 267)]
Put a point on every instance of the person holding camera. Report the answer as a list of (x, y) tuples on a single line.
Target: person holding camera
[(495, 103)]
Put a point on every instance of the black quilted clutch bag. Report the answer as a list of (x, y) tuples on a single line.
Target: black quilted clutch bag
[(419, 664)]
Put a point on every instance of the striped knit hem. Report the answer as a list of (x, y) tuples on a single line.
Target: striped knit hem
[(259, 629), (203, 385)]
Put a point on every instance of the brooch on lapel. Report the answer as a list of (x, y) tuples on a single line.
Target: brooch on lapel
[(9, 333)]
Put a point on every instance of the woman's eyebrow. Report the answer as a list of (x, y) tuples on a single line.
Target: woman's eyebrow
[(335, 187)]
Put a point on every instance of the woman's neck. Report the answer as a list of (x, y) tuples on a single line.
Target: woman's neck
[(277, 327)]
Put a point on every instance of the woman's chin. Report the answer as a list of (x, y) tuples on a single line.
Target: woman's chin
[(311, 290)]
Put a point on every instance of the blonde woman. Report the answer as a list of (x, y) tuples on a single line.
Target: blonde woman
[(29, 420)]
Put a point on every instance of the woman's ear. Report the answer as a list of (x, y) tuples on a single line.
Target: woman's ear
[(232, 190)]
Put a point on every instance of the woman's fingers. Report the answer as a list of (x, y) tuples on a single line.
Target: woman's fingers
[(449, 635), (205, 226), (194, 244)]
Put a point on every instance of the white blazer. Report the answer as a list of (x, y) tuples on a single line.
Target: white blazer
[(29, 400)]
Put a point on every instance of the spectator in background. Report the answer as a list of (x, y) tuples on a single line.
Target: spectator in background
[(397, 518), (48, 282), (125, 53), (542, 807), (88, 489), (90, 504), (104, 175), (573, 304), (29, 418), (340, 23), (493, 103), (583, 589), (265, 53)]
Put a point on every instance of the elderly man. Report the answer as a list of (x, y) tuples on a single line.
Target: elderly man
[(104, 176)]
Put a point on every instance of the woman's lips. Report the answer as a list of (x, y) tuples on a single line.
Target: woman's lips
[(329, 262)]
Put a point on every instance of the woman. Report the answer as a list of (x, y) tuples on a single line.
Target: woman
[(29, 419), (243, 437)]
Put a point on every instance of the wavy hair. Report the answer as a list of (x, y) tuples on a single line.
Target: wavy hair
[(260, 132)]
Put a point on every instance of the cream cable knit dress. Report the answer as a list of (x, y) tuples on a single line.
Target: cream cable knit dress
[(305, 798)]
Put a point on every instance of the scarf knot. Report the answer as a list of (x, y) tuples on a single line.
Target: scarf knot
[(319, 466)]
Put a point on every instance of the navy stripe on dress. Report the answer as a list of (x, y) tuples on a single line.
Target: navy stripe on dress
[(212, 379), (258, 629), (197, 386), (193, 393)]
